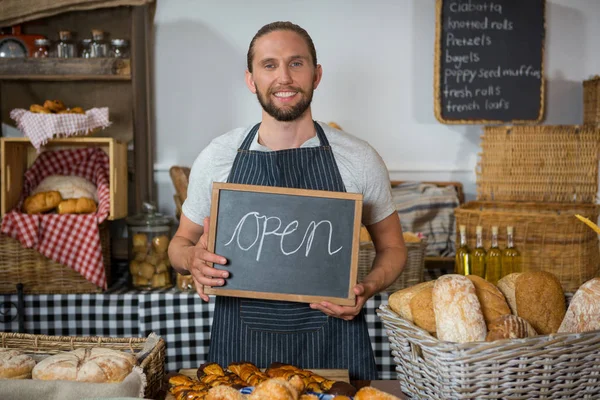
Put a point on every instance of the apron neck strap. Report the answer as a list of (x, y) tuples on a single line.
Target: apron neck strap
[(254, 130)]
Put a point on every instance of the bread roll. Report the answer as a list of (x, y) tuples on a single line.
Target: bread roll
[(493, 303), (421, 308), (97, 364), (69, 186), (399, 301), (42, 202), (507, 286), (458, 314), (371, 393), (15, 365), (81, 205), (540, 300), (583, 314), (509, 327)]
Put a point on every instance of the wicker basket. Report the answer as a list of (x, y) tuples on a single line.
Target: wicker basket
[(548, 236), (553, 164), (559, 366), (41, 275), (413, 270), (591, 101), (153, 365)]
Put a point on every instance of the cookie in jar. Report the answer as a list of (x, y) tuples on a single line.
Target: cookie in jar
[(149, 237)]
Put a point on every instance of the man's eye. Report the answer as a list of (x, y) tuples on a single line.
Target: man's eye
[(269, 66), (296, 64)]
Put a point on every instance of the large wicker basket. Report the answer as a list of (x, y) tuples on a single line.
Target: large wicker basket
[(559, 366), (413, 270), (552, 164), (548, 236), (153, 364), (591, 101), (41, 275)]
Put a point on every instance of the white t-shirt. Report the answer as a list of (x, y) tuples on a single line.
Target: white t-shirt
[(360, 166)]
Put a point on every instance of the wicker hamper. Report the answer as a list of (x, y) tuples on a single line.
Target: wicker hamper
[(41, 275), (548, 236), (559, 366), (413, 270), (153, 365), (591, 101)]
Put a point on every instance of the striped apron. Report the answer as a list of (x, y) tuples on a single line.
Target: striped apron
[(265, 331)]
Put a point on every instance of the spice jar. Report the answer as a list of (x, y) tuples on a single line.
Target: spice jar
[(42, 48), (119, 48), (149, 237), (85, 48), (99, 47), (65, 48)]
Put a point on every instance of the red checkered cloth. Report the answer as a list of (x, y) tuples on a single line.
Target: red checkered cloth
[(40, 128), (68, 239)]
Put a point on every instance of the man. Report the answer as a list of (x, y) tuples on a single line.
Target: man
[(289, 149)]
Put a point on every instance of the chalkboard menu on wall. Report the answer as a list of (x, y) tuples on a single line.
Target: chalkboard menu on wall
[(286, 244), (489, 61)]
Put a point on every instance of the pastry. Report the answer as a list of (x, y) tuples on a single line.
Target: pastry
[(81, 205), (54, 105), (36, 108), (42, 202), (69, 186)]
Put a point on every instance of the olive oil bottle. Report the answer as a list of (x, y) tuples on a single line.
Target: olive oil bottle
[(479, 255), (511, 258), (462, 263), (493, 259)]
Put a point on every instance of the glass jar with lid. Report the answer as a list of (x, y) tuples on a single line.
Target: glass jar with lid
[(85, 48), (42, 48), (149, 234), (99, 47), (65, 48), (119, 48)]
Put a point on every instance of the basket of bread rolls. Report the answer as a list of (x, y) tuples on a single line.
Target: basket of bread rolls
[(69, 367), (462, 337)]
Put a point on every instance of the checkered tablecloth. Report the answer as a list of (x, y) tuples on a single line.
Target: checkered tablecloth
[(182, 319)]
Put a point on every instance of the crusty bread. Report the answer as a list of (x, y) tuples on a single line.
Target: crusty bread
[(100, 365), (15, 365), (458, 314), (399, 301), (81, 205), (180, 177), (493, 303), (507, 287), (540, 300), (41, 202), (509, 326), (583, 314), (421, 308), (69, 186)]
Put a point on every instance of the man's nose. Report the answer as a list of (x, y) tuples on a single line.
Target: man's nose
[(284, 75)]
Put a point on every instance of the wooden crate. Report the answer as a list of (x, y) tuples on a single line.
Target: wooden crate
[(18, 154)]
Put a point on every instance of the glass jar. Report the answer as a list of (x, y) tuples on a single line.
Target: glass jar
[(85, 48), (65, 48), (42, 48), (149, 234), (119, 48), (99, 47)]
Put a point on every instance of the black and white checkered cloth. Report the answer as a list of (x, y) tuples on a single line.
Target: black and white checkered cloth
[(182, 319)]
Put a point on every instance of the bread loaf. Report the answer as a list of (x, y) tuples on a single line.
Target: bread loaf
[(507, 286), (509, 327), (421, 308), (540, 300), (493, 303), (371, 393), (583, 314), (15, 365), (458, 314), (41, 202), (97, 364), (69, 186), (81, 205), (399, 301)]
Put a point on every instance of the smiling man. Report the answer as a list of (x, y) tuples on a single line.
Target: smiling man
[(288, 149)]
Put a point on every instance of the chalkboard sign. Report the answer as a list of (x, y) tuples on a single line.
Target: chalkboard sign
[(286, 244), (489, 61)]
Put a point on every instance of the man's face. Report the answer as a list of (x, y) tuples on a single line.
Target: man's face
[(283, 76)]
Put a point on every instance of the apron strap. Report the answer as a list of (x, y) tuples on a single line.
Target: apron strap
[(250, 136)]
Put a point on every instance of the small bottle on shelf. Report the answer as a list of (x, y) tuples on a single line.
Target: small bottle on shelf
[(511, 257), (99, 47), (463, 254), (479, 254), (493, 259), (65, 48), (42, 48)]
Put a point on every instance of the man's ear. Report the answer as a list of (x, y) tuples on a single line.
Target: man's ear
[(250, 82), (318, 76)]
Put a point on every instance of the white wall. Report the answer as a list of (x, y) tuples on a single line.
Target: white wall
[(377, 59)]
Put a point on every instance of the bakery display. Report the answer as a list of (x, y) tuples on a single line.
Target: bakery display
[(99, 365), (55, 107), (65, 194), (15, 365)]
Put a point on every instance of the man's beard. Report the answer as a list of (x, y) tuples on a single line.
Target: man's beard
[(285, 114)]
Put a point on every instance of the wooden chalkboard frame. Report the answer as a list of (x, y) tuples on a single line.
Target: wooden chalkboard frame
[(439, 5), (274, 295)]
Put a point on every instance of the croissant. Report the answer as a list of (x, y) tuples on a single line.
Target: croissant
[(54, 105), (36, 108), (42, 202), (224, 393)]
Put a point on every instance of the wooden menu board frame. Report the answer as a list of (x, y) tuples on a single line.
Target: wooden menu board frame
[(309, 202), (438, 85)]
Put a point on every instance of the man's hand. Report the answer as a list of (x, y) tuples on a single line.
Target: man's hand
[(198, 259), (344, 312)]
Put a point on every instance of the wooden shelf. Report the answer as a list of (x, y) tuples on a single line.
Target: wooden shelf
[(65, 69)]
